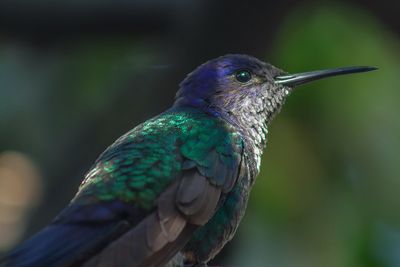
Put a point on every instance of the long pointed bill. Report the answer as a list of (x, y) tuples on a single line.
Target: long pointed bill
[(305, 77)]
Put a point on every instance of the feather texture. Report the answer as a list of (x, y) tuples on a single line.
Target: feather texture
[(144, 197)]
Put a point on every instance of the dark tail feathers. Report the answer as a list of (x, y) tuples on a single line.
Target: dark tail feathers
[(57, 245)]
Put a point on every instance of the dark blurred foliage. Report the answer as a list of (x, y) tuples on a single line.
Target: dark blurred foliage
[(75, 75)]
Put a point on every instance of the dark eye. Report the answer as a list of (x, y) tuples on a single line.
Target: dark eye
[(243, 76)]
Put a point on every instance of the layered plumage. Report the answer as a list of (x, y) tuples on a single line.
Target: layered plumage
[(145, 195), (171, 191)]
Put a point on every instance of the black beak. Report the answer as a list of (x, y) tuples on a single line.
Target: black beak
[(305, 77)]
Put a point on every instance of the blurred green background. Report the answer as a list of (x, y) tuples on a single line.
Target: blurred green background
[(75, 75)]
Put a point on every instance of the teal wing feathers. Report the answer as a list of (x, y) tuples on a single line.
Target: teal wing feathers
[(139, 165)]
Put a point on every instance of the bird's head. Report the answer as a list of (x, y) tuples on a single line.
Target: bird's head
[(243, 86)]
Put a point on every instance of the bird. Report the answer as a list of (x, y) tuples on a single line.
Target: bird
[(172, 191)]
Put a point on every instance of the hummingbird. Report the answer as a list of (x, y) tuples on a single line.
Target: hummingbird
[(172, 191)]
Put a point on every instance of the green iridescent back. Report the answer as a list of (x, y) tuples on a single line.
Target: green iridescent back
[(144, 161)]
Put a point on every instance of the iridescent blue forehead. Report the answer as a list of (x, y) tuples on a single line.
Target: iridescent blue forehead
[(205, 80), (227, 65), (208, 79)]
